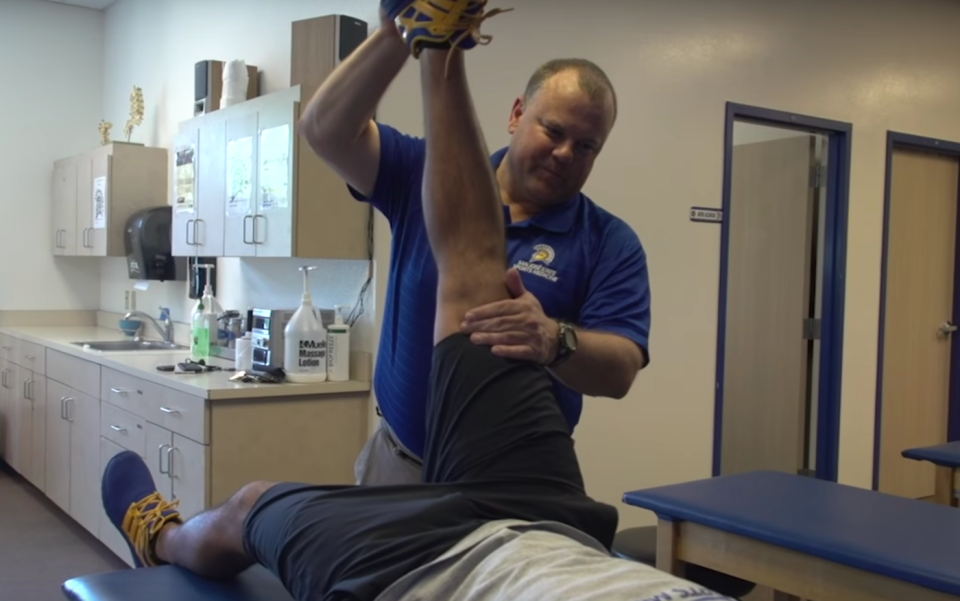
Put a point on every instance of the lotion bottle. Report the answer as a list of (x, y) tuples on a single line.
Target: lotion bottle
[(338, 348), (305, 341)]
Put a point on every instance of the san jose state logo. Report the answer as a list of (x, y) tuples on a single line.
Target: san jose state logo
[(542, 253), (542, 256)]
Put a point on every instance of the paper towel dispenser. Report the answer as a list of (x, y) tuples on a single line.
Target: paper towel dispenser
[(147, 241)]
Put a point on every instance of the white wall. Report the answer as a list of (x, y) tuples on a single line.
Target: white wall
[(880, 64), (49, 108), (155, 45)]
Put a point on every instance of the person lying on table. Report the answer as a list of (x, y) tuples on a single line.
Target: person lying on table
[(502, 512)]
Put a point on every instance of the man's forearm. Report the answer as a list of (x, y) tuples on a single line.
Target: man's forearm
[(603, 365), (343, 105)]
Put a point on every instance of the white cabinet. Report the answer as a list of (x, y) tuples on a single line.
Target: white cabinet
[(63, 417), (197, 188), (23, 410), (252, 187), (94, 193), (73, 453), (179, 468)]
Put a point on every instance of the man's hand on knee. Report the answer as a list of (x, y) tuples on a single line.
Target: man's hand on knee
[(516, 328)]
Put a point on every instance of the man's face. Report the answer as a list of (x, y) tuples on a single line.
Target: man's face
[(557, 136)]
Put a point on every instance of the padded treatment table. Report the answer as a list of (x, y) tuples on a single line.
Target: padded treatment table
[(808, 538), (170, 583), (947, 459)]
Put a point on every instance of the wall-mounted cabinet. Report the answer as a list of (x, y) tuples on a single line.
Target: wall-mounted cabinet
[(94, 194), (244, 184)]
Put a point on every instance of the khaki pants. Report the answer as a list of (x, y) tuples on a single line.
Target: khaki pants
[(384, 461)]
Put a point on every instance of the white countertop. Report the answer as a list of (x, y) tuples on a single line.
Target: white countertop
[(215, 385)]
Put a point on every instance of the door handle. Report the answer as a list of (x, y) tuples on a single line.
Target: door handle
[(947, 328)]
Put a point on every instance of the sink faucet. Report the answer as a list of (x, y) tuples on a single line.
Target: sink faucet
[(166, 331)]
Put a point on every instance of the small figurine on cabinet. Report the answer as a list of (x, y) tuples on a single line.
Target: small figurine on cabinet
[(136, 111), (105, 127)]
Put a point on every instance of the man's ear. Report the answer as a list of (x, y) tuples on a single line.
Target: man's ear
[(515, 114)]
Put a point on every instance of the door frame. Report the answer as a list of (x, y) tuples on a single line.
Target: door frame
[(839, 134), (896, 141)]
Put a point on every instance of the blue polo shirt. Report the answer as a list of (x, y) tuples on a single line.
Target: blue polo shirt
[(582, 263)]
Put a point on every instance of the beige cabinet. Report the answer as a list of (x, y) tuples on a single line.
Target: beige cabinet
[(247, 185), (63, 417), (94, 193)]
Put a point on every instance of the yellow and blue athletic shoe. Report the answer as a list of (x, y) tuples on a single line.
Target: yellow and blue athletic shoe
[(134, 506), (439, 23)]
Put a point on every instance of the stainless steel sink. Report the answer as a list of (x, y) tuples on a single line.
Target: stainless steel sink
[(130, 345)]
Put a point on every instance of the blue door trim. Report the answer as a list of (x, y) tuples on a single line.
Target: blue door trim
[(834, 274), (897, 140)]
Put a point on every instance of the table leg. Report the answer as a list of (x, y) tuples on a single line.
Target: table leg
[(668, 535), (943, 489)]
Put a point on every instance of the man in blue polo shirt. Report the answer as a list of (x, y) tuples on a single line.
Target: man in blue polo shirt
[(581, 298)]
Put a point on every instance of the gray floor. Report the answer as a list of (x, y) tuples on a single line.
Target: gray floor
[(40, 547)]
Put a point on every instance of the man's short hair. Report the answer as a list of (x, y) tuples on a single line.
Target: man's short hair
[(592, 79)]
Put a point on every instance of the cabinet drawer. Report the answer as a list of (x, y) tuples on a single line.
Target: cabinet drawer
[(31, 356), (8, 348), (181, 413), (123, 428), (76, 373), (127, 392)]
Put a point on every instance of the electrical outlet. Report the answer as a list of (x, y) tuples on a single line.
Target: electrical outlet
[(133, 300), (126, 300)]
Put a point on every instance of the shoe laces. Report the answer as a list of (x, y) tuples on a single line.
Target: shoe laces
[(470, 24), (143, 522)]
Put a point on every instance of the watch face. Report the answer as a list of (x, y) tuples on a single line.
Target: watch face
[(570, 338)]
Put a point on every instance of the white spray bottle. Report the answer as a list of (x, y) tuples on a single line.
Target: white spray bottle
[(338, 348), (305, 341)]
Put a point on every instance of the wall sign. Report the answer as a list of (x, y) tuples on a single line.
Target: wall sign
[(705, 215)]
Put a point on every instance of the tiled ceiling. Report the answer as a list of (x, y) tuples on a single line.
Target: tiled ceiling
[(98, 4)]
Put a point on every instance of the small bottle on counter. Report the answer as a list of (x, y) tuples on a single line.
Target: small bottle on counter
[(243, 353), (338, 348)]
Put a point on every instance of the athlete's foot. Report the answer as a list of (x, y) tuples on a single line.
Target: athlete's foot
[(440, 24), (134, 506)]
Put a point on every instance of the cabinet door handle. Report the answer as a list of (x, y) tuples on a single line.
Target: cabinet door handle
[(196, 222), (118, 429), (170, 463), (67, 407), (256, 238), (160, 459), (31, 397), (63, 408), (187, 233), (245, 217), (169, 410), (26, 389), (119, 391)]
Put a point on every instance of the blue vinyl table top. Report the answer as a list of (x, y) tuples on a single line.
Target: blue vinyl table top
[(913, 541), (947, 455)]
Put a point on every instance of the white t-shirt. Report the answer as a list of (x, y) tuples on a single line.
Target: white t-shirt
[(520, 561)]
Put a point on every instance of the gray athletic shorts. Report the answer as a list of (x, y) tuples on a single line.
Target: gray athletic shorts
[(384, 461)]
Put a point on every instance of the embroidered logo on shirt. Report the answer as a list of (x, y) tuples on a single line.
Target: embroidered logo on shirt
[(543, 255)]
